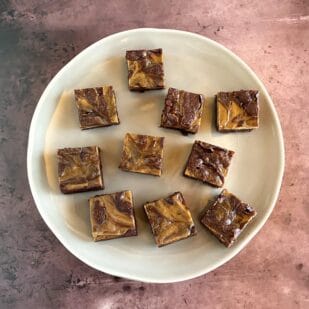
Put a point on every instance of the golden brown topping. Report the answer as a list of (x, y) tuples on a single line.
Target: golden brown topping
[(145, 69), (170, 219), (182, 111), (227, 217), (96, 107), (208, 163), (79, 169), (142, 154), (112, 216), (238, 110)]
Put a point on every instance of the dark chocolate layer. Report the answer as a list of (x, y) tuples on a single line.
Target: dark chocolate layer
[(182, 110), (227, 217), (208, 163)]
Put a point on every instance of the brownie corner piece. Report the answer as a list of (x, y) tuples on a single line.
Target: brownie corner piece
[(145, 69), (237, 110), (170, 219), (208, 163), (182, 111), (96, 107), (142, 154), (80, 169), (112, 216), (226, 217)]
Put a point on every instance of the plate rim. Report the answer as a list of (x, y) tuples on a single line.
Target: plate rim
[(171, 278)]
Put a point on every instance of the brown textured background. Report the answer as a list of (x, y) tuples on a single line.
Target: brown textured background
[(38, 37)]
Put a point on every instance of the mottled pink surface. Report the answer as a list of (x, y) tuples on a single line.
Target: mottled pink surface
[(38, 37)]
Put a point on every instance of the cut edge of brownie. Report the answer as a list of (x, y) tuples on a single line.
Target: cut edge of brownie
[(95, 188), (143, 89), (182, 131), (175, 241), (100, 126), (129, 233), (140, 51), (202, 181), (139, 172)]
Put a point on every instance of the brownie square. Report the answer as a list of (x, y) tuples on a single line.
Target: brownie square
[(112, 216), (182, 111), (170, 219), (96, 107), (145, 69), (142, 154), (227, 217), (80, 169), (237, 110), (208, 163)]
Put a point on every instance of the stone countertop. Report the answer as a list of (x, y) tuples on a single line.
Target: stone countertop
[(38, 37)]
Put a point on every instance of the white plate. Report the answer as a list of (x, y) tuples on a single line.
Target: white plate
[(192, 63)]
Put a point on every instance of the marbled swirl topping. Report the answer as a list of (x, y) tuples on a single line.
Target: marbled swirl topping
[(145, 69), (112, 216), (96, 107), (237, 110), (79, 169), (142, 154), (170, 219)]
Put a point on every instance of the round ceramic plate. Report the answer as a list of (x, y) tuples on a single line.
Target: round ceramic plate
[(193, 63)]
